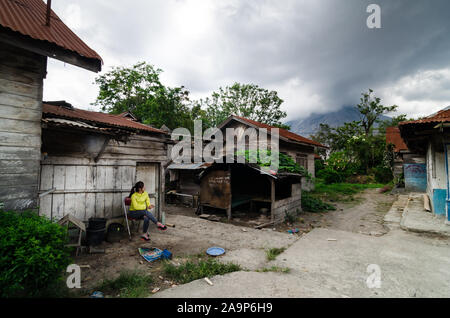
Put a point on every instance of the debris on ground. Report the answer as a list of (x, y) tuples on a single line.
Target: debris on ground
[(332, 239), (150, 254), (96, 250), (97, 294), (208, 281), (155, 290)]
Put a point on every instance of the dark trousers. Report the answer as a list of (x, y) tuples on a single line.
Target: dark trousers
[(147, 215)]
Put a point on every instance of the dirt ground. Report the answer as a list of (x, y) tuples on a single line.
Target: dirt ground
[(362, 215), (192, 236)]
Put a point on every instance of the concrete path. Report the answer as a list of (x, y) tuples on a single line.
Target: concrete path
[(334, 263), (329, 263), (416, 219)]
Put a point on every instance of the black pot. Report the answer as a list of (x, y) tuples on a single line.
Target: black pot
[(97, 223)]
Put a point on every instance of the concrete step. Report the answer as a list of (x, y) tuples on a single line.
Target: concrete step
[(416, 219)]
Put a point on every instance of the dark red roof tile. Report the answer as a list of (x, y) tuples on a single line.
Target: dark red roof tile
[(393, 136)]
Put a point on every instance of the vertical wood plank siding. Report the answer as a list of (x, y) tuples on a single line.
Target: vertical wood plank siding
[(21, 85), (86, 188)]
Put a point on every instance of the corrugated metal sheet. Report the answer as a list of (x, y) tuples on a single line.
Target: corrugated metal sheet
[(393, 136), (28, 17), (95, 117), (188, 166), (283, 132), (60, 122)]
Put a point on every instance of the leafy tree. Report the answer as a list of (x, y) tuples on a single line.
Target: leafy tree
[(358, 140), (246, 100), (370, 110), (138, 89)]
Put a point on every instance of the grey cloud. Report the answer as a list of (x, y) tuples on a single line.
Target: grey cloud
[(324, 45)]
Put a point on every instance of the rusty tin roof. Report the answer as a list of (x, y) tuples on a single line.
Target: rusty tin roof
[(96, 118), (28, 17), (283, 132)]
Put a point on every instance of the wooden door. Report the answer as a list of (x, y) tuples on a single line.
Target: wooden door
[(149, 174)]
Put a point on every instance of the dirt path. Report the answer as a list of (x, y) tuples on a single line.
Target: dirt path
[(366, 217), (362, 215)]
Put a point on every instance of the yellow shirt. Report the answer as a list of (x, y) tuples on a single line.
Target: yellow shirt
[(139, 201)]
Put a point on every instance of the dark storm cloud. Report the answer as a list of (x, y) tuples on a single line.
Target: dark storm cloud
[(319, 55)]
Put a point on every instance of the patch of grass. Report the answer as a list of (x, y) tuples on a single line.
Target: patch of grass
[(274, 252), (341, 191), (313, 204), (275, 269), (129, 284), (193, 270)]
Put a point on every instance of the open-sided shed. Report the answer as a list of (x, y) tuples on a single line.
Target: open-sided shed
[(229, 186)]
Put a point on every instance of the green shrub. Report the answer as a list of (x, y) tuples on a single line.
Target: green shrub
[(383, 174), (330, 176), (312, 204), (319, 165), (193, 270), (33, 255)]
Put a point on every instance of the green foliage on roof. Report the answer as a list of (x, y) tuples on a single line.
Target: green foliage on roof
[(263, 159)]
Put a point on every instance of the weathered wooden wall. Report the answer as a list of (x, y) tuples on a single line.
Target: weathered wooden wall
[(215, 189), (21, 85), (86, 188)]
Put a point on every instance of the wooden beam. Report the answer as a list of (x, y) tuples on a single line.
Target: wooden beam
[(231, 198), (102, 150)]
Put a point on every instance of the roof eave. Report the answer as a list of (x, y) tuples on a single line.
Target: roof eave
[(49, 49), (230, 118)]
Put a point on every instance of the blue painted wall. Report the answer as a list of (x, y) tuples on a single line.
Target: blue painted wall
[(439, 200), (415, 176)]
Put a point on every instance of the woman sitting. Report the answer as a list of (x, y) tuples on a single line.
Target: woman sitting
[(140, 206)]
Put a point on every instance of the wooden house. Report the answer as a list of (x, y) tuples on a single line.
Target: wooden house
[(430, 137), (302, 150), (405, 161), (30, 32), (91, 160)]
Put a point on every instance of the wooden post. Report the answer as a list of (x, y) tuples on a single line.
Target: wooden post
[(272, 199), (162, 191), (231, 196)]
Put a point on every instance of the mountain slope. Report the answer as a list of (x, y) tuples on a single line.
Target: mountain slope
[(308, 126)]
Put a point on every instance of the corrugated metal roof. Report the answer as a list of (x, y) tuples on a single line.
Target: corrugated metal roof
[(95, 117), (283, 132), (441, 116), (188, 166), (393, 136), (28, 17)]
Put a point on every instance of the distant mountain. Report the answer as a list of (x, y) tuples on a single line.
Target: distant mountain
[(308, 126)]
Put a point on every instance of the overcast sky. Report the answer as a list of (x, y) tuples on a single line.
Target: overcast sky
[(318, 54)]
